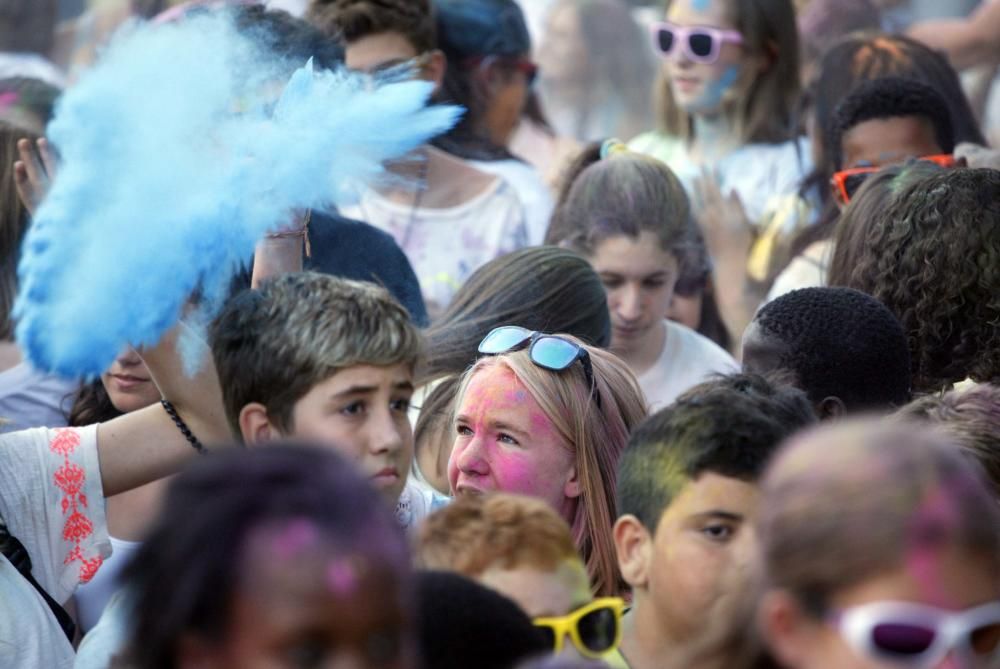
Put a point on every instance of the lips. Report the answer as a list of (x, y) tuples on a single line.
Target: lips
[(385, 478), (127, 381), (464, 489), (686, 84)]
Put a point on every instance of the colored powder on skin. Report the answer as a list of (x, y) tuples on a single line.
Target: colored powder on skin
[(175, 161), (342, 577), (717, 90), (701, 5), (292, 540)]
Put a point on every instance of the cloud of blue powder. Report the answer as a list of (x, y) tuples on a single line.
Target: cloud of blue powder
[(175, 161)]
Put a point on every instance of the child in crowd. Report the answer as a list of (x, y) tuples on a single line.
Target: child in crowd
[(971, 418), (297, 538), (930, 256), (329, 360), (843, 348), (547, 416), (540, 288), (885, 121), (904, 571), (629, 216), (490, 74), (729, 88), (688, 497), (850, 62), (448, 216), (521, 547)]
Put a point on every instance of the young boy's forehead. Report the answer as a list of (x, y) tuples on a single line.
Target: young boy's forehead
[(710, 494)]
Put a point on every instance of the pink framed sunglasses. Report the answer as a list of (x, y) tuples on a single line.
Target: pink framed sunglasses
[(701, 44)]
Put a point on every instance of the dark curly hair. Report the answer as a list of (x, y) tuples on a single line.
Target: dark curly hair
[(840, 343), (350, 20), (891, 97), (933, 257)]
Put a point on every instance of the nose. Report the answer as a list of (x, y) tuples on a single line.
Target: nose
[(386, 435), (569, 651), (128, 358), (953, 660), (629, 306), (470, 457)]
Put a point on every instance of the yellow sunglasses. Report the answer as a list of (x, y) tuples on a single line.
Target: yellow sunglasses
[(595, 628)]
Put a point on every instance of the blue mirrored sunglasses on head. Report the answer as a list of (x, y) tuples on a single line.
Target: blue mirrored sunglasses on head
[(548, 351)]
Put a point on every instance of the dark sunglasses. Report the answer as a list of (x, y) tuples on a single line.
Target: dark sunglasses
[(701, 44), (595, 629), (848, 182), (548, 351)]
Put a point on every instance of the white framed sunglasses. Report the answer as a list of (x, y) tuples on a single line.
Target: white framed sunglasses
[(919, 636)]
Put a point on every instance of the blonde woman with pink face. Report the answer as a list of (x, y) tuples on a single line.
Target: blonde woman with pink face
[(547, 416)]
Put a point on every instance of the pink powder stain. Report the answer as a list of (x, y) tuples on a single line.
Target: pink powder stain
[(342, 577), (931, 524), (296, 537)]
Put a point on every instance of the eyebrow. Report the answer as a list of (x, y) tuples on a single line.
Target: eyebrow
[(500, 426), (721, 515)]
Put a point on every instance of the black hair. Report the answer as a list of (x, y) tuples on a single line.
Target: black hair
[(841, 343), (891, 97), (730, 425), (293, 39), (183, 578), (931, 256), (33, 95), (92, 404), (464, 624)]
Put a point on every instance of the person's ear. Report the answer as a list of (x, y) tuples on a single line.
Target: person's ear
[(255, 425), (572, 489), (435, 69), (830, 408), (634, 549), (785, 627)]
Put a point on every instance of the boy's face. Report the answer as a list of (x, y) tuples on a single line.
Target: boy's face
[(361, 412), (881, 142), (700, 562)]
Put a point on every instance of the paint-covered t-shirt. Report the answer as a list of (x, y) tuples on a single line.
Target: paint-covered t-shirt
[(52, 500), (446, 245)]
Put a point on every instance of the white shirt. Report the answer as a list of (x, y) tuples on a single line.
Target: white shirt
[(92, 597), (29, 398), (52, 500), (531, 190), (687, 359), (446, 245)]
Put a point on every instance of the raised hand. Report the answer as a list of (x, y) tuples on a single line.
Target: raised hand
[(34, 172)]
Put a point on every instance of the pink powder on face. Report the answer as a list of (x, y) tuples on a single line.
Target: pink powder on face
[(296, 537), (342, 577), (536, 465)]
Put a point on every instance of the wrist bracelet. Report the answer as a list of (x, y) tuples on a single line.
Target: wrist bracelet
[(182, 426)]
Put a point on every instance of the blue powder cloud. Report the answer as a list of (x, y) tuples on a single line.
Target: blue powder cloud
[(174, 164)]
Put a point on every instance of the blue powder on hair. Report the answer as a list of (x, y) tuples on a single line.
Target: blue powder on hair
[(175, 161)]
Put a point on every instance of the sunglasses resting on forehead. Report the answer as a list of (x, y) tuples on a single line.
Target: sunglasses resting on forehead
[(547, 351), (904, 634), (594, 629), (701, 44), (847, 182)]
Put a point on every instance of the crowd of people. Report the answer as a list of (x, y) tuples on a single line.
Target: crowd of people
[(679, 350)]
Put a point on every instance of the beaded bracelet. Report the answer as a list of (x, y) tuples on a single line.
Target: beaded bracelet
[(182, 426)]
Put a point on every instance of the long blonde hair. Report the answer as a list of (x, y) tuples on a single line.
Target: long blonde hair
[(597, 435)]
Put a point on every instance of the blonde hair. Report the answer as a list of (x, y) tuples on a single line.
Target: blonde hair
[(473, 534), (597, 435), (848, 502)]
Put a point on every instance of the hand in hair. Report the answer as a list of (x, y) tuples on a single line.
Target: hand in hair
[(34, 172)]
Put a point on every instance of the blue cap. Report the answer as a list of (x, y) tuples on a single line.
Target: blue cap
[(469, 28)]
